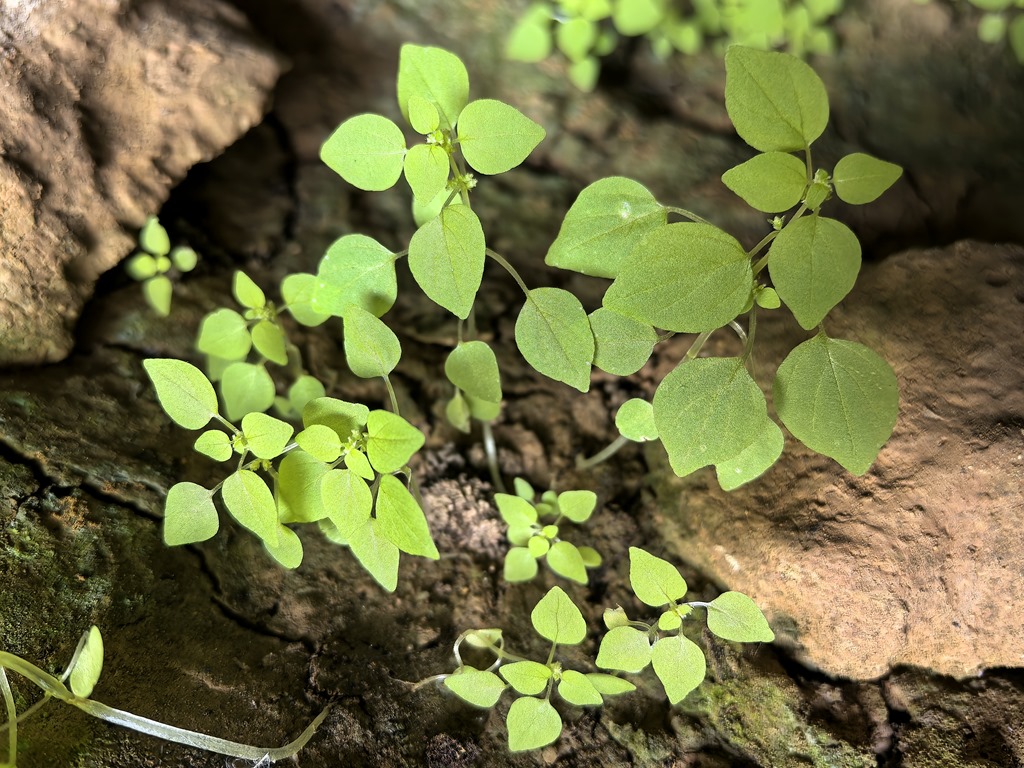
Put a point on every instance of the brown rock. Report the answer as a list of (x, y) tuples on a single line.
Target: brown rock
[(105, 106)]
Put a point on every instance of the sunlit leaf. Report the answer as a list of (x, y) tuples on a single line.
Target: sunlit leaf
[(251, 503), (553, 334), (770, 182), (532, 723), (495, 137), (185, 394), (436, 75), (246, 388), (734, 616), (401, 520), (527, 677), (556, 618), (189, 514), (446, 256), (679, 663), (625, 649), (477, 687), (371, 348), (861, 178), (89, 665), (367, 151), (655, 581), (391, 441)]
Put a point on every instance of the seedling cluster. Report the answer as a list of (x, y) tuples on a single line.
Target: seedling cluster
[(156, 262)]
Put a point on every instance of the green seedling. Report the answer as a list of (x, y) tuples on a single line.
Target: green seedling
[(535, 528), (155, 263), (532, 720), (84, 672), (631, 646)]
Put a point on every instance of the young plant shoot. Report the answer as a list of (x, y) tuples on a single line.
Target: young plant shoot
[(154, 264)]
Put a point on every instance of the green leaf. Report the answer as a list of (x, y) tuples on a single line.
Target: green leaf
[(814, 263), (251, 503), (355, 270), (473, 368), (423, 115), (424, 212), (246, 388), (184, 259), (553, 334), (189, 514), (637, 17), (367, 151), (707, 410), (298, 292), (532, 723), (767, 298), (375, 553), (305, 389), (734, 616), (482, 410), (400, 519), (426, 170), (348, 501), (321, 442), (838, 398), (141, 266), (610, 685), (247, 293), (358, 463), (480, 688), (609, 218), (158, 291), (685, 277), (556, 618), (670, 621), (446, 256), (457, 412), (754, 460), (520, 565), (625, 649), (530, 39), (496, 137), (287, 549), (436, 75), (391, 441), (265, 436), (565, 560), (269, 340), (344, 418), (89, 665), (635, 420), (371, 348), (992, 28), (516, 511), (523, 489), (622, 345), (538, 546), (655, 581), (578, 506), (185, 394), (679, 663), (860, 178), (770, 182), (527, 677), (578, 689), (591, 557), (776, 101), (576, 37), (153, 237), (298, 489), (224, 334), (215, 444), (584, 73)]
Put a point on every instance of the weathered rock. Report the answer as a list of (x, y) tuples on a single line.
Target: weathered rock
[(105, 106), (918, 561)]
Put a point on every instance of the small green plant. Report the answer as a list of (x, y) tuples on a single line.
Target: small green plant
[(585, 30), (84, 672), (154, 263), (533, 539)]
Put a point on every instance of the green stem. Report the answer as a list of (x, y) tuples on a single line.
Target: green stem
[(12, 718), (492, 457), (551, 654), (764, 241), (698, 343), (687, 214), (810, 165), (603, 455), (234, 430), (510, 269), (391, 394)]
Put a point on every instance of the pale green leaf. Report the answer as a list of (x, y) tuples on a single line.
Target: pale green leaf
[(734, 616), (400, 519), (523, 489), (265, 436), (520, 565), (992, 28), (215, 444), (532, 723), (480, 688), (457, 412), (321, 442), (189, 514), (482, 410), (184, 259), (860, 178), (776, 101), (246, 388), (423, 212), (615, 617), (670, 621), (153, 237), (553, 334), (141, 266), (298, 291), (584, 73), (565, 560), (578, 506), (838, 398), (426, 170), (706, 411), (637, 17), (87, 669), (591, 557), (251, 503), (527, 677), (814, 263), (185, 394), (770, 182), (578, 689), (516, 511), (576, 37), (655, 581), (496, 137), (754, 460), (269, 340), (224, 334), (603, 226), (355, 270), (610, 685), (679, 663), (625, 649), (622, 345), (423, 115), (530, 39), (287, 549), (556, 618), (358, 463), (768, 298), (298, 488), (246, 292), (635, 420), (391, 441), (343, 417), (446, 256), (157, 292), (330, 532), (347, 500), (538, 546), (371, 348), (375, 553), (305, 389), (684, 277), (473, 368), (436, 75), (367, 151)]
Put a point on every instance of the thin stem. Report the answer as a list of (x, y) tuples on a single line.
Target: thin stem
[(764, 241), (461, 323), (428, 681), (234, 430), (603, 455), (12, 718), (391, 394), (739, 331), (492, 457), (551, 654), (810, 165), (698, 343), (510, 269), (687, 214), (752, 332)]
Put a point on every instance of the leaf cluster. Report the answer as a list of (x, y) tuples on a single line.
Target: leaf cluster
[(155, 262), (1002, 20)]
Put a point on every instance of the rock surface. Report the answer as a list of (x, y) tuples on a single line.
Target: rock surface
[(106, 105)]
